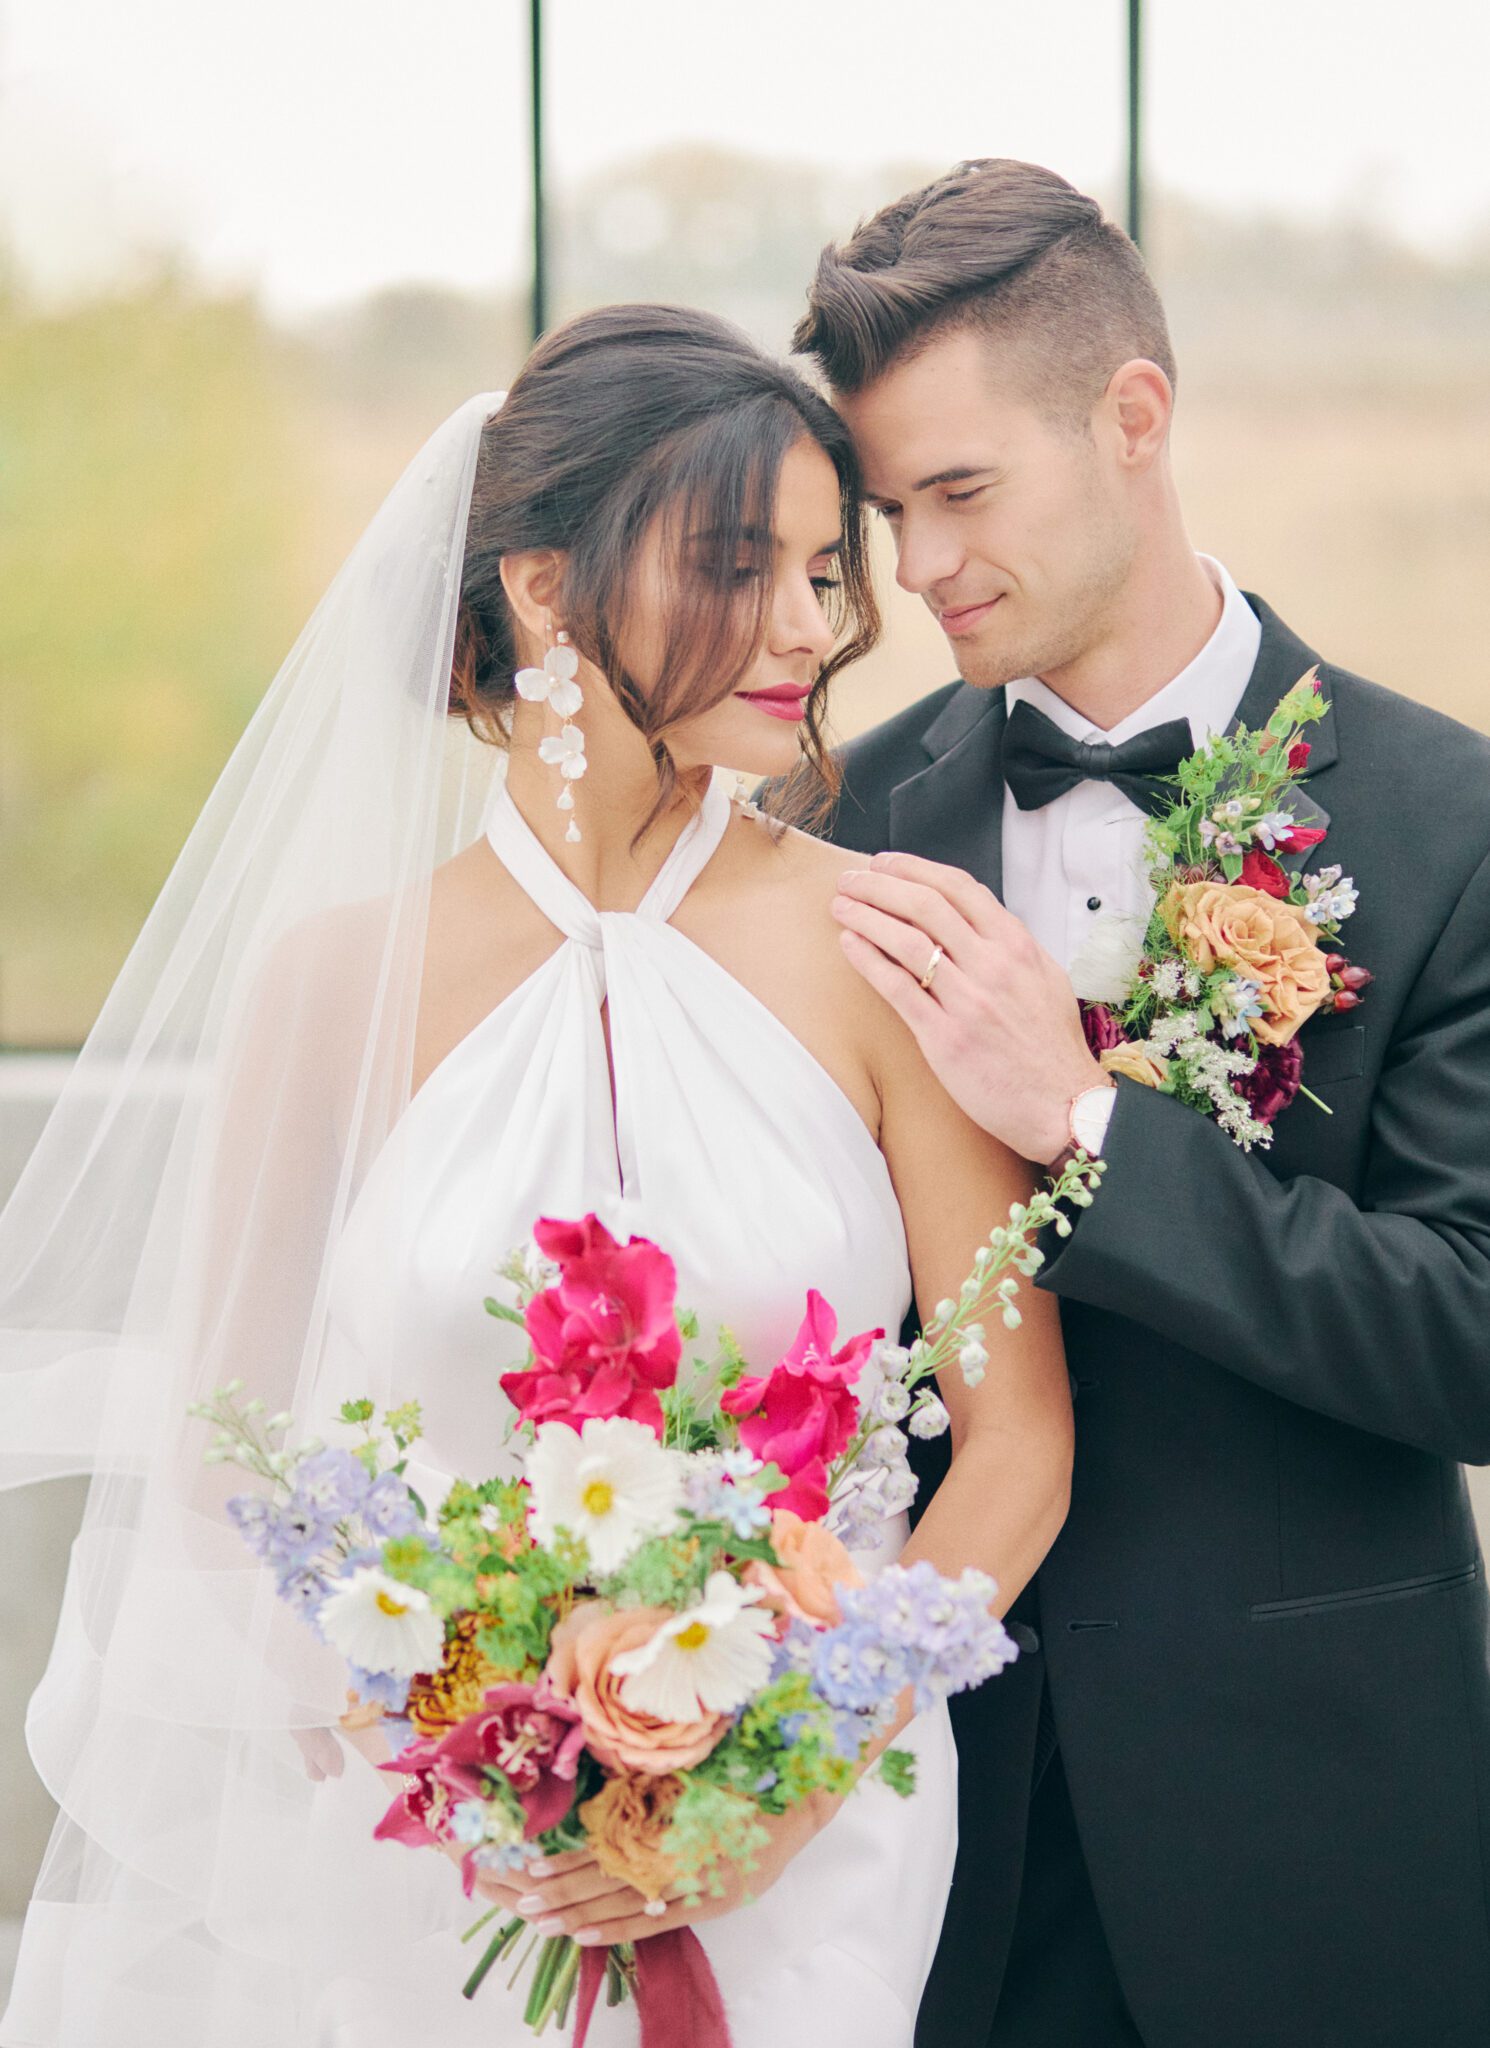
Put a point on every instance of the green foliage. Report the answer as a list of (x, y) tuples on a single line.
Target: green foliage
[(898, 1769), (713, 1826)]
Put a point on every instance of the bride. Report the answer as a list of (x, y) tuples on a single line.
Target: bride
[(417, 979)]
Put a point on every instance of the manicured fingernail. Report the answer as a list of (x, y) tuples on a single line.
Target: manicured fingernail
[(533, 1903), (539, 1868), (554, 1924), (589, 1937)]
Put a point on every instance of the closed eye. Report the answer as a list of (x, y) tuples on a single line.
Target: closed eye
[(966, 497)]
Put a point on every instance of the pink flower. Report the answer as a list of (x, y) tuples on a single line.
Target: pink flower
[(801, 1415), (420, 1815), (1103, 1031), (604, 1337), (1261, 871), (532, 1735), (1301, 838)]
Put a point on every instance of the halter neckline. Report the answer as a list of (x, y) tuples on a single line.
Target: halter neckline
[(564, 903)]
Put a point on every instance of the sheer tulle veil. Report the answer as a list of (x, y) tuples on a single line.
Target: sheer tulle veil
[(172, 1230)]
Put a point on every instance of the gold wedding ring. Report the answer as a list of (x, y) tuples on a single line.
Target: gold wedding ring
[(932, 965)]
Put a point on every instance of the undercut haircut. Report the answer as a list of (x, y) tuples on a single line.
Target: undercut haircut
[(1007, 249)]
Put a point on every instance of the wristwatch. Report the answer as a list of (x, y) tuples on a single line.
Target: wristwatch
[(1087, 1118)]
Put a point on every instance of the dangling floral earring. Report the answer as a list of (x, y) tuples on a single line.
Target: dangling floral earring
[(554, 685)]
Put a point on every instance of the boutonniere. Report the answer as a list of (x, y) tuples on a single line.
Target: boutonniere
[(1206, 1003)]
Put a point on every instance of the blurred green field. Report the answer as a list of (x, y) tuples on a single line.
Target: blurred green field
[(178, 480)]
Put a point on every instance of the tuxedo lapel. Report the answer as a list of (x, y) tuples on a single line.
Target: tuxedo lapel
[(1282, 657), (953, 809)]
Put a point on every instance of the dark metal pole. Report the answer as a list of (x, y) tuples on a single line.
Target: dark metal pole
[(540, 226), (1135, 119)]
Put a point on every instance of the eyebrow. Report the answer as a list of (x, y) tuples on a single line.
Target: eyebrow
[(959, 475)]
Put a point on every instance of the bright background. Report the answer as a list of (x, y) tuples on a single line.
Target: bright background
[(251, 253)]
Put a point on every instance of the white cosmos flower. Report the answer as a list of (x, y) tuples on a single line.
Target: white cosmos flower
[(566, 753), (612, 1485), (1105, 964), (709, 1659), (379, 1624)]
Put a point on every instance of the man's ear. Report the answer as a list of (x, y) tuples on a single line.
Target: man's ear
[(534, 583), (1139, 404)]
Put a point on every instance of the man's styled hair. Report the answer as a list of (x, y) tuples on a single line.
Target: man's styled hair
[(1004, 247)]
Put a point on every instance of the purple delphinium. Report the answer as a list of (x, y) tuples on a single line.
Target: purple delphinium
[(910, 1625), (389, 1691), (331, 1484), (388, 1509)]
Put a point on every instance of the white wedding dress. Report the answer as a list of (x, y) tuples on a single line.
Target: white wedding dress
[(727, 1143)]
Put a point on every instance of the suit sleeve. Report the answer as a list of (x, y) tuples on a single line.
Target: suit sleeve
[(1377, 1312)]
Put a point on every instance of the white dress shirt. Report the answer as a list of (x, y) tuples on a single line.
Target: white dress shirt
[(1079, 857)]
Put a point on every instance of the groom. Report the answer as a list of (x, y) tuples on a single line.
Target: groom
[(1238, 1793)]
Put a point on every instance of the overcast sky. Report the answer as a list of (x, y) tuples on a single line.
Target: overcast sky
[(319, 148)]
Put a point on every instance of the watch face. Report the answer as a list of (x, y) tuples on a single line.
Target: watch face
[(1089, 1118)]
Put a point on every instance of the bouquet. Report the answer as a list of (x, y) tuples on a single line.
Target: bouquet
[(655, 1637), (1239, 952)]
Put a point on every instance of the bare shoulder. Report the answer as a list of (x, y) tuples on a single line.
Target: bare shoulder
[(762, 908)]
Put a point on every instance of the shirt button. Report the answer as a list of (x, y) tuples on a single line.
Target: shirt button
[(1094, 903)]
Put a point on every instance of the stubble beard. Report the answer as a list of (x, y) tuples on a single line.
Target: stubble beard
[(1071, 624)]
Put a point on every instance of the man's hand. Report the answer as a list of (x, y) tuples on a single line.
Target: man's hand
[(999, 1024)]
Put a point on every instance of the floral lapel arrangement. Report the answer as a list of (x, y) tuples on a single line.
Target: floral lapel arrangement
[(1206, 1004)]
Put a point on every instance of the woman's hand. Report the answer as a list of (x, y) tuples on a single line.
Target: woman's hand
[(321, 1753), (579, 1899)]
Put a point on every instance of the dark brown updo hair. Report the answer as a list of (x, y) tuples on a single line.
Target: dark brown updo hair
[(618, 418)]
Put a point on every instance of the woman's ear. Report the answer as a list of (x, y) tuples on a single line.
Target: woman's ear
[(534, 582)]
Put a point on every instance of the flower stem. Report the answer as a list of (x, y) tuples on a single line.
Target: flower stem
[(496, 1948), (1315, 1100)]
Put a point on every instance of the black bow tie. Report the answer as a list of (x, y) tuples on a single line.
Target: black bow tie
[(1041, 762)]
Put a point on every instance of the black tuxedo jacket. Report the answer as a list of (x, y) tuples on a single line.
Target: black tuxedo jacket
[(1264, 1625)]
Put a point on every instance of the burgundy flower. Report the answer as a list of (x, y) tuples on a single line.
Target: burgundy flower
[(532, 1735), (1102, 1028), (604, 1336), (420, 1814), (801, 1414), (1298, 757), (1261, 871), (1274, 1081)]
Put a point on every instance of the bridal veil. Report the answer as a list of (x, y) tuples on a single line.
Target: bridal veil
[(173, 1230)]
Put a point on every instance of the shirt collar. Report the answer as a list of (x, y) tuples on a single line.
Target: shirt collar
[(1207, 691)]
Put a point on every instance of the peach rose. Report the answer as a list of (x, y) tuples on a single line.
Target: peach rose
[(1134, 1064), (579, 1663), (1269, 942), (813, 1562), (626, 1822)]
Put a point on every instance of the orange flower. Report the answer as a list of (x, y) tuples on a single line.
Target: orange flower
[(457, 1689), (813, 1563), (1269, 942), (579, 1663), (626, 1822), (1134, 1064)]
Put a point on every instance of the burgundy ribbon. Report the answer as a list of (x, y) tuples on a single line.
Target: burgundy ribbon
[(677, 1994)]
